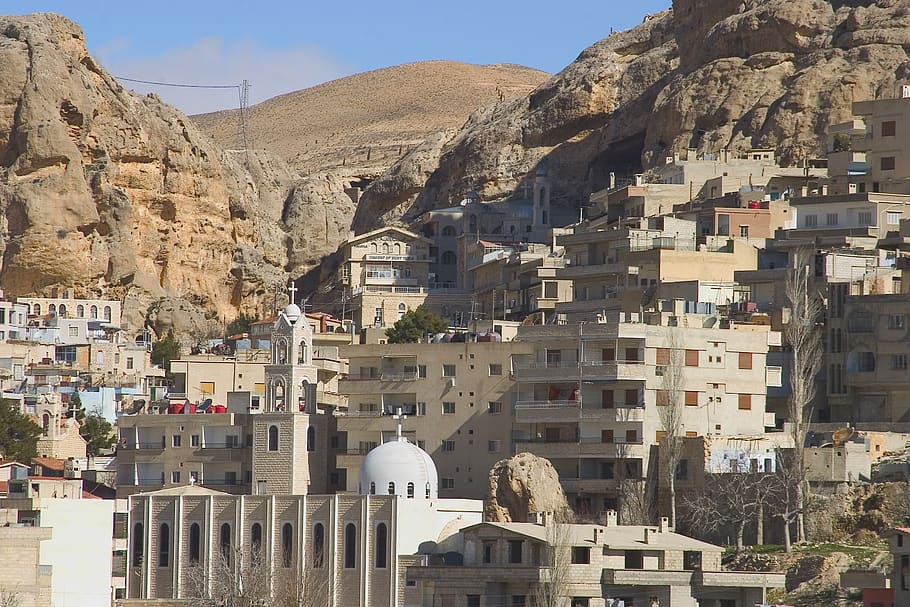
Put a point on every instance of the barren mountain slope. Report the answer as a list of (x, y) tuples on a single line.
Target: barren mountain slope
[(362, 124)]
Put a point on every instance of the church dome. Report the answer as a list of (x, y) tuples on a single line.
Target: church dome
[(401, 468), (292, 312)]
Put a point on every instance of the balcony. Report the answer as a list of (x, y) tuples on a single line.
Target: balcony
[(586, 370), (534, 411), (617, 413), (628, 370), (547, 371), (591, 271), (352, 458), (583, 448), (387, 257), (222, 445), (588, 485), (646, 577)]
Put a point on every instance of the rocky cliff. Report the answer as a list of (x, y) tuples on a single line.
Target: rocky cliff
[(708, 74), (120, 196)]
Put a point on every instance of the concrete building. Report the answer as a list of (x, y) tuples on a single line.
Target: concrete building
[(603, 565), (588, 397), (107, 310), (351, 549), (458, 397)]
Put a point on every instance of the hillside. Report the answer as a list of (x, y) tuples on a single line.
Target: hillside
[(362, 124)]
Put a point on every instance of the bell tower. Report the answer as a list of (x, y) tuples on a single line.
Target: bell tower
[(290, 377)]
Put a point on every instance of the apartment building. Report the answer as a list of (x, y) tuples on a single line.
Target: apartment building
[(588, 396), (107, 310), (458, 397), (603, 565)]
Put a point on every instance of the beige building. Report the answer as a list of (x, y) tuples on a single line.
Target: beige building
[(458, 397), (588, 396), (60, 438), (601, 566)]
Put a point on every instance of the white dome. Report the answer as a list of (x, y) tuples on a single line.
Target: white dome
[(292, 312), (401, 463)]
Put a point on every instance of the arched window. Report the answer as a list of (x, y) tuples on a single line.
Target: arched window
[(273, 438), (256, 542), (392, 488), (350, 546), (410, 489), (107, 312), (80, 311), (372, 488), (448, 258), (138, 544), (224, 542), (287, 545), (93, 312), (311, 438), (281, 351), (397, 248), (448, 231), (99, 357), (46, 422), (279, 395), (61, 311), (301, 355), (318, 545), (37, 309), (52, 309), (472, 224), (374, 248), (195, 543), (382, 542), (385, 248), (428, 490), (402, 309), (164, 545)]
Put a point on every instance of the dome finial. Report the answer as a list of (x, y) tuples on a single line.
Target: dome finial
[(399, 417)]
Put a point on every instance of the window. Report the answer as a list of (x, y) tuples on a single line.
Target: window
[(606, 399), (634, 559), (287, 545), (893, 218), (493, 446), (682, 470), (448, 258), (273, 438), (256, 541), (448, 370), (606, 435), (899, 362), (691, 398), (581, 555), (691, 560), (887, 163), (831, 219), (164, 545), (175, 476), (663, 356), (810, 221), (448, 445), (473, 600), (411, 490), (447, 483), (195, 542), (80, 311), (382, 541), (745, 402), (889, 128), (581, 601), (318, 545), (631, 398), (224, 542), (897, 321), (129, 362), (864, 218), (515, 551), (392, 488), (519, 600), (194, 440), (138, 544), (421, 371), (448, 408), (311, 438), (73, 331), (494, 408), (372, 488), (487, 552), (631, 436), (691, 358), (350, 546), (495, 369), (745, 360), (176, 440)]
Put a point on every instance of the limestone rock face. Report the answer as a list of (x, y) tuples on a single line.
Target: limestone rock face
[(707, 74), (521, 484), (120, 196)]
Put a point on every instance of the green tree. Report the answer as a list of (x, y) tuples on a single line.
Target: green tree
[(18, 434), (165, 350), (241, 324), (98, 433), (414, 326)]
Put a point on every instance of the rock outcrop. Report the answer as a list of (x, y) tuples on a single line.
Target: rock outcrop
[(522, 484), (709, 74)]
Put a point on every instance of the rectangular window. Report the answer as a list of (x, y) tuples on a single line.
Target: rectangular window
[(899, 362), (893, 218), (606, 436), (691, 560), (447, 483), (691, 358), (744, 231), (831, 219), (519, 600), (448, 445), (631, 398), (897, 321), (175, 476), (448, 408), (493, 446), (887, 163), (810, 221), (448, 370), (74, 331), (494, 408), (864, 218), (745, 402), (745, 360), (129, 362), (607, 354), (889, 128), (581, 601), (495, 369), (421, 371), (515, 551), (581, 555), (473, 600), (691, 398), (194, 440), (487, 552), (682, 470), (550, 290), (606, 399), (663, 356), (634, 559), (175, 440), (631, 436), (207, 387)]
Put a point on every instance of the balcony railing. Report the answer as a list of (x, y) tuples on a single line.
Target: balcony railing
[(547, 404), (222, 445), (220, 481)]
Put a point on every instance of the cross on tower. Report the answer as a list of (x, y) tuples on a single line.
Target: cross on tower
[(399, 417), (293, 292)]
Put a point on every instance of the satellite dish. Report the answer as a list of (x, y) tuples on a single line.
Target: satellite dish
[(709, 322), (204, 406)]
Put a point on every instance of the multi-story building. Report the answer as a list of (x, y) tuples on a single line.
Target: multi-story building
[(107, 310), (610, 564), (589, 395), (459, 401)]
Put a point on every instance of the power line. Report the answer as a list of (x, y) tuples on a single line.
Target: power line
[(184, 86)]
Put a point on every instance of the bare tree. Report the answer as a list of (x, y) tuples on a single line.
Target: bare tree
[(805, 340), (552, 590), (670, 409), (786, 495), (9, 598), (727, 501)]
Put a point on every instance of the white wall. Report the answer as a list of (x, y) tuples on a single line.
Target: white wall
[(79, 550)]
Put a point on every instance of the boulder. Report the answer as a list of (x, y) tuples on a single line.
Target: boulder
[(522, 484)]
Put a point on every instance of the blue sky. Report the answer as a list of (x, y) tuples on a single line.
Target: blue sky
[(283, 46)]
